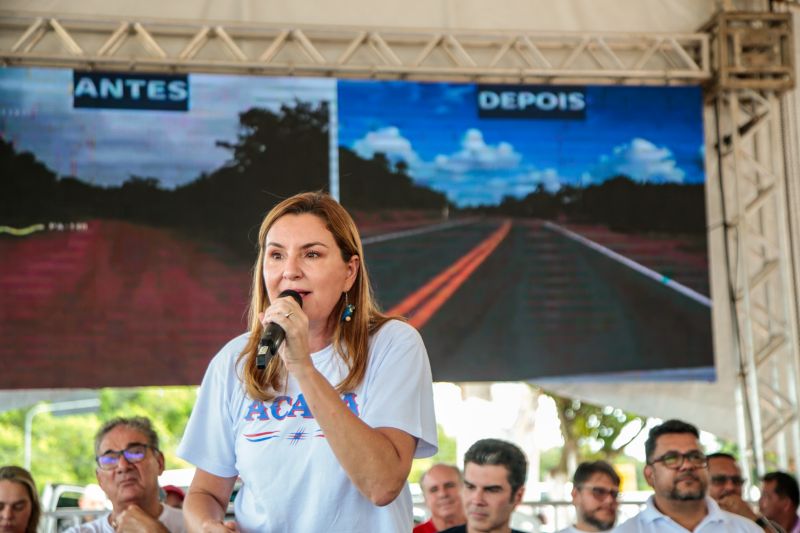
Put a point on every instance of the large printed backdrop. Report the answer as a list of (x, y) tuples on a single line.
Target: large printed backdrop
[(522, 246)]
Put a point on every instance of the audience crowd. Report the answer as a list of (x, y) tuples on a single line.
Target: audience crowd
[(692, 491)]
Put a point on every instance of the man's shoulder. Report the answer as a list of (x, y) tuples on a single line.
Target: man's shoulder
[(425, 527), (172, 518), (740, 523), (631, 524), (456, 529), (99, 525), (732, 524), (463, 529)]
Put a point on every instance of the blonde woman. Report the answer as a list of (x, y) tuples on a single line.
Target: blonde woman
[(324, 436), (19, 501)]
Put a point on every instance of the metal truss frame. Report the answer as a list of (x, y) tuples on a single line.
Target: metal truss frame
[(754, 68), (94, 42), (750, 169), (743, 128)]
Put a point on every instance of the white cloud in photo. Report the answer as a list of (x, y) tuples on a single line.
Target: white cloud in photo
[(475, 154), (388, 141), (107, 146), (549, 179), (491, 187), (483, 173), (640, 160), (476, 173)]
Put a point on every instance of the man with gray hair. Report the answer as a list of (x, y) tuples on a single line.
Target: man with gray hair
[(441, 488), (128, 465), (494, 482)]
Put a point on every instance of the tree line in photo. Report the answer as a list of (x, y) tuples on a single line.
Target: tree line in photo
[(619, 203), (278, 153)]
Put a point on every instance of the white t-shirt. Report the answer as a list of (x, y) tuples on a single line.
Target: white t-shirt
[(291, 479), (651, 520), (171, 517), (570, 529)]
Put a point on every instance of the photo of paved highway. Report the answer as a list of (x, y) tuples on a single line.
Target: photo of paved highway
[(521, 246), (504, 300), (573, 239)]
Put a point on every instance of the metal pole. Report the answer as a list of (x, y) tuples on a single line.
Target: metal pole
[(35, 410), (87, 405), (741, 432)]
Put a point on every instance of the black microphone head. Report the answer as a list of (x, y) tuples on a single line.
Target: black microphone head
[(293, 294)]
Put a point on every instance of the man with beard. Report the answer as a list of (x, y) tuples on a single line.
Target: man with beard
[(595, 487), (726, 489), (677, 470), (441, 487)]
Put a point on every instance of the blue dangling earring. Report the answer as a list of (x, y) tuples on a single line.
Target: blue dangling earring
[(349, 309)]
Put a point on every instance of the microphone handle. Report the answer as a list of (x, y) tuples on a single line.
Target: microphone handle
[(263, 355), (268, 345), (273, 335)]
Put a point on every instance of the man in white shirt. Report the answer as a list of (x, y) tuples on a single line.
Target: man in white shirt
[(677, 470), (128, 465), (595, 488)]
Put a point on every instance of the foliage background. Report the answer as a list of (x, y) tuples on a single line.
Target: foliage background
[(62, 447)]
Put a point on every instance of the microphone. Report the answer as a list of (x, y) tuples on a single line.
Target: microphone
[(273, 334)]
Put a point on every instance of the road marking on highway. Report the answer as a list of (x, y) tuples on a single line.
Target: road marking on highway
[(424, 303), (630, 263), (21, 232), (416, 231)]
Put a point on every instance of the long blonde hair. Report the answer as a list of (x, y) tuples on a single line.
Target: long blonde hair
[(19, 475), (350, 339)]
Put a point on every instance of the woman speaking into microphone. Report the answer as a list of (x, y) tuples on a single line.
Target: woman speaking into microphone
[(323, 436)]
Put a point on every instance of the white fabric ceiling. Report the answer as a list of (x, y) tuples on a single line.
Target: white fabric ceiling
[(533, 15)]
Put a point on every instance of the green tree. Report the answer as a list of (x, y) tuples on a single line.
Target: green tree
[(62, 447), (549, 461), (591, 432)]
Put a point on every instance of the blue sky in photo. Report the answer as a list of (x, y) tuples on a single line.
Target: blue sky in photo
[(651, 134), (107, 146)]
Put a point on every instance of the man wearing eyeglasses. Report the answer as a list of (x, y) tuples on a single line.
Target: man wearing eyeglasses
[(595, 488), (128, 465), (677, 470), (726, 489)]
